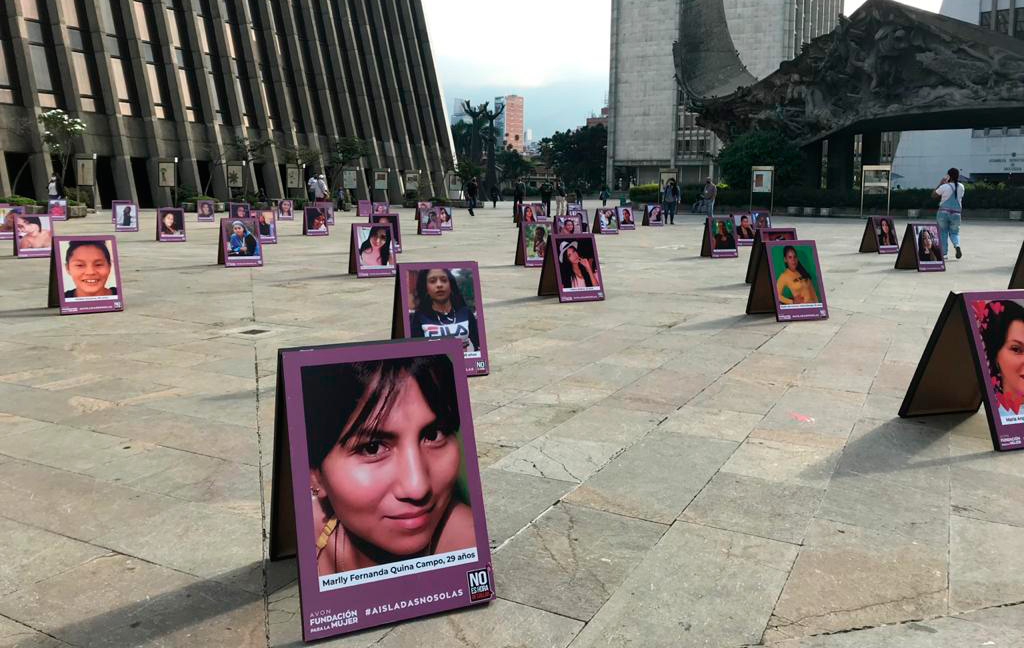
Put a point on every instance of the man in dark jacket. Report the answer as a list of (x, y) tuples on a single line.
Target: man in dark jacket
[(517, 197), (472, 189), (545, 197)]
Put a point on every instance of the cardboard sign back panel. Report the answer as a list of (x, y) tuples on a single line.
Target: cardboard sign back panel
[(761, 300), (415, 315), (435, 553), (85, 275), (869, 239), (974, 328), (1017, 276), (799, 290)]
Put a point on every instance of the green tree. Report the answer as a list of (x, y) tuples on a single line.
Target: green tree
[(248, 151), (513, 166), (465, 170), (577, 156), (462, 137), (343, 152), (299, 155), (760, 148), (59, 133)]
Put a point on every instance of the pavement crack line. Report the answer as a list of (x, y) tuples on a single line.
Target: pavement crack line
[(263, 499)]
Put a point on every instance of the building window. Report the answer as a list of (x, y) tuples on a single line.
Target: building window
[(1018, 22), (1003, 21), (40, 52), (151, 54), (985, 19), (8, 89), (83, 60)]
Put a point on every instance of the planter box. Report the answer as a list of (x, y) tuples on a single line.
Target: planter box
[(810, 211), (188, 207), (1016, 215), (78, 211), (793, 211), (913, 213), (826, 211)]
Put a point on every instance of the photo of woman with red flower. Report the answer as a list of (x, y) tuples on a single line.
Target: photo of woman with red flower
[(1001, 326)]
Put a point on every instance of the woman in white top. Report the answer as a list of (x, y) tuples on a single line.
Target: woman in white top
[(951, 195)]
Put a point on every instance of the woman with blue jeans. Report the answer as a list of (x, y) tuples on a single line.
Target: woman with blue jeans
[(951, 195)]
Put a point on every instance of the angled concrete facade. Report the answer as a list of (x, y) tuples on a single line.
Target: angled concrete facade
[(159, 79)]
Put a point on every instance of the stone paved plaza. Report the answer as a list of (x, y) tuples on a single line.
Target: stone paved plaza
[(659, 469)]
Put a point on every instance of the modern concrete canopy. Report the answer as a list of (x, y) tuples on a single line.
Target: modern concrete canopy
[(889, 67), (183, 78)]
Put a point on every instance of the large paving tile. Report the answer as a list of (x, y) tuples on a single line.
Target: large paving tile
[(607, 424), (559, 458), (986, 564), (729, 425), (781, 461), (769, 509), (29, 555), (571, 559), (513, 499), (847, 577), (697, 587), (656, 478)]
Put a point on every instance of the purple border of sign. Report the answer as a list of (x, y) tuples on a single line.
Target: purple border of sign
[(112, 304), (648, 208), (716, 253), (234, 261), (886, 249), (736, 216), (329, 206), (927, 266), (114, 204), (597, 219), (12, 210), (379, 594), (426, 231), (450, 227), (305, 223), (367, 273), (396, 228), (291, 210), (533, 262), (33, 253), (1003, 436), (473, 367), (233, 205), (271, 238), (807, 312), (60, 201), (175, 238), (199, 212), (631, 225), (594, 293)]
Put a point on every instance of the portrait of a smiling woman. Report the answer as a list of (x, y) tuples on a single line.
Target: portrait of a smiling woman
[(387, 475)]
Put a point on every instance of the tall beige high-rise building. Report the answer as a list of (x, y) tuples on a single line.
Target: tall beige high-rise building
[(512, 128), (649, 127)]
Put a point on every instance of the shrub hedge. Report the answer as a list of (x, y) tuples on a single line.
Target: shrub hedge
[(976, 197)]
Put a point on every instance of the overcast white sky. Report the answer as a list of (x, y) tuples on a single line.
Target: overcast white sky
[(552, 52)]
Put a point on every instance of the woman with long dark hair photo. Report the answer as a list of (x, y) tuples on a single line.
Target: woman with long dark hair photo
[(375, 251), (385, 453), (577, 271), (441, 310)]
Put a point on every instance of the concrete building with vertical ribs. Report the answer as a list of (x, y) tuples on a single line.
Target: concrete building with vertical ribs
[(159, 79)]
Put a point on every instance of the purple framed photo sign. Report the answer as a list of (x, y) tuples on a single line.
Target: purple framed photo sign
[(266, 223), (125, 215), (33, 235), (744, 226), (979, 329), (396, 227), (285, 210), (719, 238), (429, 222), (879, 236), (356, 426), (606, 221), (328, 208), (57, 210), (761, 236), (438, 300), (238, 210), (85, 276), (571, 269), (381, 208), (571, 224), (205, 211), (363, 208), (625, 214), (653, 216), (314, 222), (170, 225), (7, 216), (921, 249), (788, 281), (532, 243), (371, 252), (240, 246)]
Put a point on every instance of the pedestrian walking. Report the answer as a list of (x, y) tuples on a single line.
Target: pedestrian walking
[(559, 198), (51, 188), (472, 189), (311, 187), (710, 193), (518, 193), (341, 198), (545, 197), (320, 192), (604, 196), (495, 196), (950, 193), (669, 200)]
